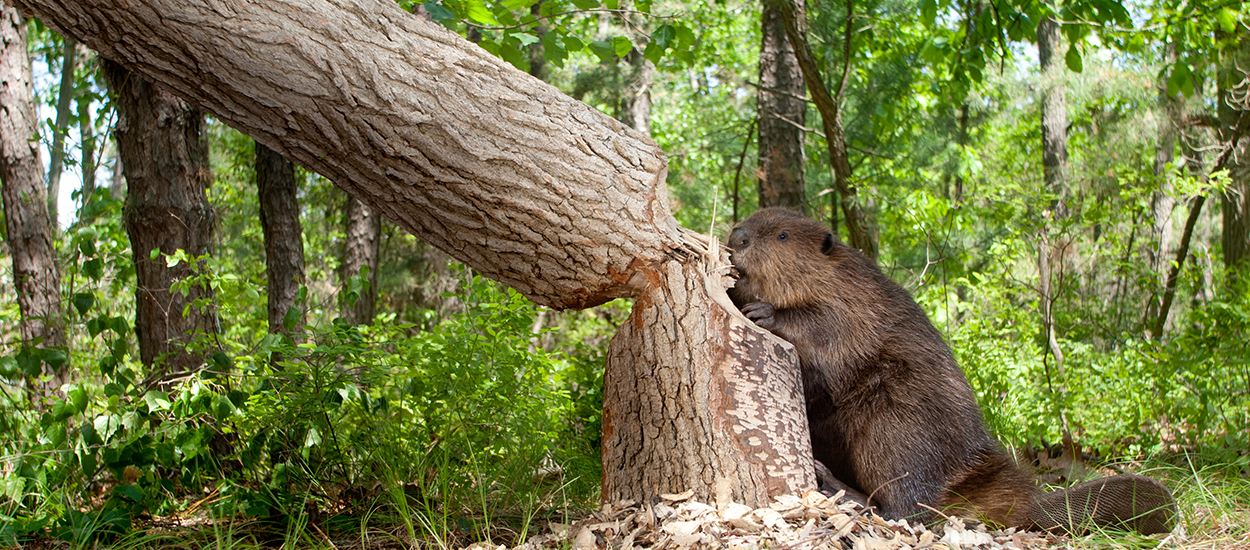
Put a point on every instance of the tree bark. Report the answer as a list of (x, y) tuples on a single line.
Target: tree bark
[(362, 247), (526, 185), (1054, 113), (637, 93), (1233, 108), (86, 130), (284, 238), (1055, 172), (35, 273), (859, 227), (166, 157), (56, 163), (782, 113)]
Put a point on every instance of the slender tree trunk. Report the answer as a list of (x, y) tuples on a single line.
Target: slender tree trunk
[(1234, 105), (56, 163), (362, 246), (284, 238), (86, 131), (1054, 114), (859, 227), (35, 274), (637, 93), (782, 112), (527, 186), (165, 152), (1055, 172)]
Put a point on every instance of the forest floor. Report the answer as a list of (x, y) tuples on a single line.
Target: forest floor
[(674, 523)]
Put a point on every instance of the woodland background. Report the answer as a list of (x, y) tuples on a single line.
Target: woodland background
[(1094, 295)]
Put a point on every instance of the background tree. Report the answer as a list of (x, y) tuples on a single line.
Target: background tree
[(36, 275), (284, 240), (361, 248), (782, 114), (162, 144)]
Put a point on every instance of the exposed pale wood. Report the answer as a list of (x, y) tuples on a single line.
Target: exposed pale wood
[(702, 399)]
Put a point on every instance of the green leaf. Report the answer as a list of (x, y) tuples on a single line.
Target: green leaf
[(621, 46), (478, 13), (1073, 59), (518, 4), (653, 53), (603, 49), (1226, 19), (77, 397), (89, 435), (129, 492), (573, 44), (313, 438), (438, 13), (1181, 80), (224, 409), (586, 4), (87, 247), (928, 11), (156, 400), (525, 39), (553, 49), (222, 361), (83, 301), (663, 36), (291, 319), (93, 268)]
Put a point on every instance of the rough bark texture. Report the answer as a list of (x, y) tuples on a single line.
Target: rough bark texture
[(701, 399), (1054, 111), (504, 172), (524, 184), (35, 273), (1234, 107), (166, 156), (859, 228), (284, 237), (781, 115), (361, 247)]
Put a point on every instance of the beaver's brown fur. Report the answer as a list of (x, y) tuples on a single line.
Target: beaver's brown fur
[(891, 414)]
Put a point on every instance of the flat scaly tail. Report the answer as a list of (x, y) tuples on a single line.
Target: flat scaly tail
[(1132, 502)]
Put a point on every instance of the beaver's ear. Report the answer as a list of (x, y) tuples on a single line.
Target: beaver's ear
[(826, 247)]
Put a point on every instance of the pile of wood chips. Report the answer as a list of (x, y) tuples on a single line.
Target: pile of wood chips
[(811, 522)]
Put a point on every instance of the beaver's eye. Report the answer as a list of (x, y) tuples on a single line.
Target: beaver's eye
[(782, 236)]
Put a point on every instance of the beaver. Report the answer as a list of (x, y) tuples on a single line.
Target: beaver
[(891, 414)]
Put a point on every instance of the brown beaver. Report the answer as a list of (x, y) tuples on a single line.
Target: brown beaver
[(890, 412)]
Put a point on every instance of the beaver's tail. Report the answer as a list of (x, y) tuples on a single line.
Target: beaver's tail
[(1131, 502)]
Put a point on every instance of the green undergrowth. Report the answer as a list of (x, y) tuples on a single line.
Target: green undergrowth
[(465, 431)]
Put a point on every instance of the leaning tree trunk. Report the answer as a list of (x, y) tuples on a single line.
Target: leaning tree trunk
[(362, 246), (284, 238), (35, 273), (526, 185), (165, 152), (782, 113)]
